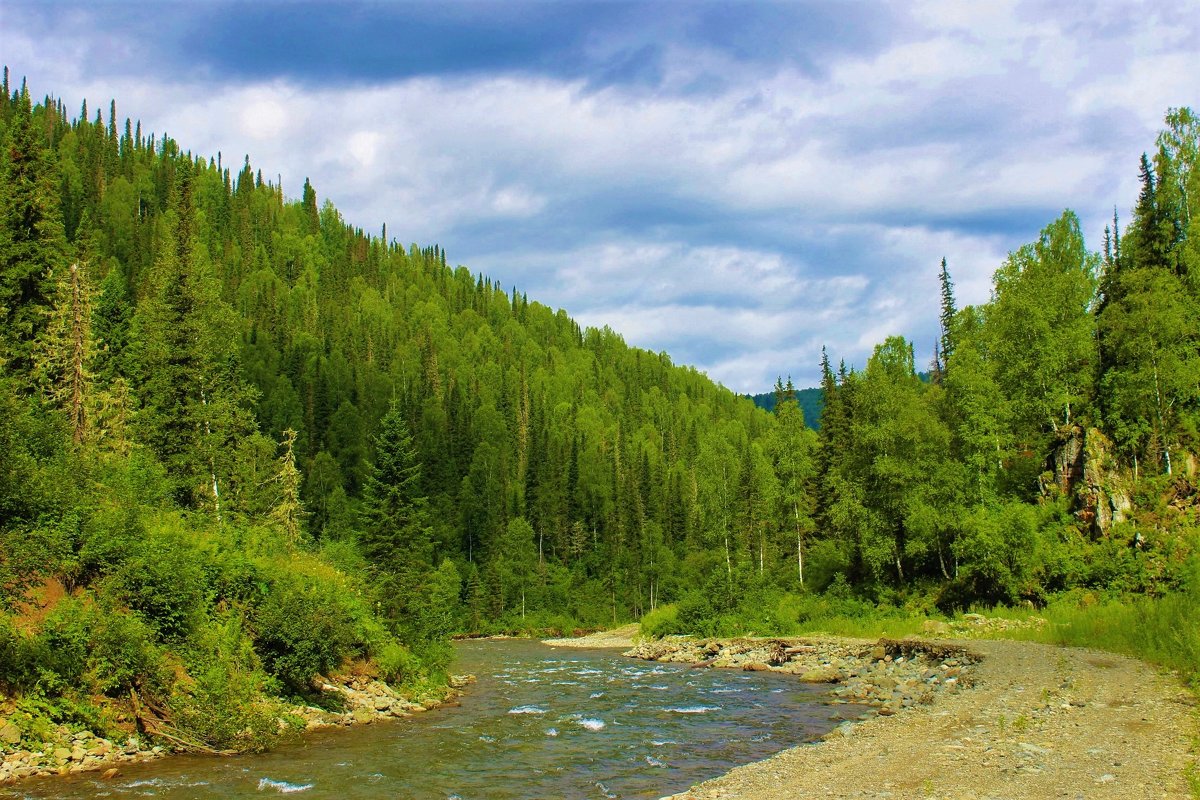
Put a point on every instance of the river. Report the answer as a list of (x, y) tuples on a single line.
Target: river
[(539, 723)]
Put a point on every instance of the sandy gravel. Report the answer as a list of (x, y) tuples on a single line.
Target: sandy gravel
[(617, 637), (1039, 723)]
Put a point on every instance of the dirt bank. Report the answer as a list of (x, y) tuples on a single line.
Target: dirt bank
[(1034, 722)]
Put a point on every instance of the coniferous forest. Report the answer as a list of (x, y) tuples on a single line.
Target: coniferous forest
[(244, 443)]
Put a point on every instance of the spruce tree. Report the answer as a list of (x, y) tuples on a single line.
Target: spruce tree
[(946, 319), (32, 238), (395, 535)]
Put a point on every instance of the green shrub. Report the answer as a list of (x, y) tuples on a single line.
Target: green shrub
[(123, 655), (14, 660), (301, 630), (59, 652), (696, 615), (222, 702), (165, 582), (397, 664), (662, 621)]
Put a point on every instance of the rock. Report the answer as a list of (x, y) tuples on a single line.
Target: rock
[(10, 734), (821, 675), (383, 703), (62, 753), (362, 715), (110, 773), (755, 667), (936, 627)]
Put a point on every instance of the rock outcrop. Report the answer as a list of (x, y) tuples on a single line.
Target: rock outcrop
[(1084, 466)]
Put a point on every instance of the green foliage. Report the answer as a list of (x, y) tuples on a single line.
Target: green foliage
[(163, 580), (397, 664), (124, 655), (301, 629), (223, 702), (662, 621), (86, 644)]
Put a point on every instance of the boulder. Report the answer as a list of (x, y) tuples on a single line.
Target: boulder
[(821, 675), (10, 734)]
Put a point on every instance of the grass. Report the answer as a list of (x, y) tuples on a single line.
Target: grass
[(1164, 631)]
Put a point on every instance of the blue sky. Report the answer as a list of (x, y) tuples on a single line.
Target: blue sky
[(734, 183)]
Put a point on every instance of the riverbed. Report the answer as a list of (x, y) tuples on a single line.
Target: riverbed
[(539, 723)]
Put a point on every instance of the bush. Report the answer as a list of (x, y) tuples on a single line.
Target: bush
[(397, 664), (59, 652), (662, 621), (123, 655), (696, 615), (14, 672), (222, 702), (164, 581), (301, 631)]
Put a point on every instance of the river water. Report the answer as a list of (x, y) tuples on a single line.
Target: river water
[(540, 723)]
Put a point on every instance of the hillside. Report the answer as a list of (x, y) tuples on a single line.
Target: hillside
[(272, 443)]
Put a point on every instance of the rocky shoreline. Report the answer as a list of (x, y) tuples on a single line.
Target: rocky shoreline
[(889, 674), (64, 752)]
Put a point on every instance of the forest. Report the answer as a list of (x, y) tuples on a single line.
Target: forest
[(244, 442)]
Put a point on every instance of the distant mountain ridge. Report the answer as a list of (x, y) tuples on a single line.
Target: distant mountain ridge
[(811, 402)]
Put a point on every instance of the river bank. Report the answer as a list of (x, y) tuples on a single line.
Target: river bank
[(61, 751), (1024, 721)]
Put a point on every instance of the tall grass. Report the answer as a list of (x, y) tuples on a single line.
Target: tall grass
[(1163, 630)]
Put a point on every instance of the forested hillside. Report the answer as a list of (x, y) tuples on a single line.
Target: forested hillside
[(243, 442), (251, 425)]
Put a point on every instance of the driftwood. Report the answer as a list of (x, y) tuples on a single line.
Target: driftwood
[(158, 724), (910, 647)]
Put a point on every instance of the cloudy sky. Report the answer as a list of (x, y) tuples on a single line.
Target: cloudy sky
[(734, 183)]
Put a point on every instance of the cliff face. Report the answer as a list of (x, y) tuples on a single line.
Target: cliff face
[(1085, 467)]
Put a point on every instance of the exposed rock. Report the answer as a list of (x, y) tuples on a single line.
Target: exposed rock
[(1084, 466)]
